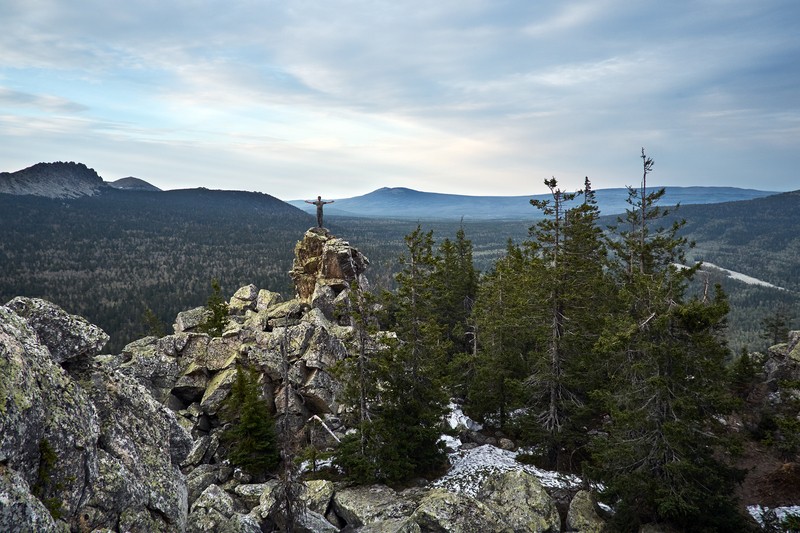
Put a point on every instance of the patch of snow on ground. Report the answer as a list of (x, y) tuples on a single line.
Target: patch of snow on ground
[(452, 443), (738, 276), (757, 512), (457, 419), (469, 469)]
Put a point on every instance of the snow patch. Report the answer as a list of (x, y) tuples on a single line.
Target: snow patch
[(471, 467), (738, 276), (456, 419), (780, 513)]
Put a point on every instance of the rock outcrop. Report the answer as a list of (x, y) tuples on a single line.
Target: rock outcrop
[(91, 443), (138, 436), (324, 266)]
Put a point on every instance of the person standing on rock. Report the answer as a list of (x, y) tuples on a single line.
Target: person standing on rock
[(319, 202)]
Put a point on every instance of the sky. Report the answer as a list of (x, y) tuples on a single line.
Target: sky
[(341, 97)]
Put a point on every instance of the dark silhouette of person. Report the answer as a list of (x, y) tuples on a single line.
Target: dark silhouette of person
[(319, 202)]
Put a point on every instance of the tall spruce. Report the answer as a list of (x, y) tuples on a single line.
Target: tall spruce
[(457, 283), (507, 320), (401, 439), (659, 455), (570, 246)]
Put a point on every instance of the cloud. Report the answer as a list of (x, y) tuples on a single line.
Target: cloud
[(450, 95), (46, 103)]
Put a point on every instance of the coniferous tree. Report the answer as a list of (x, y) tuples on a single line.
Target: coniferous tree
[(508, 323), (401, 440), (218, 311), (667, 389), (775, 326), (570, 246), (456, 285), (251, 434)]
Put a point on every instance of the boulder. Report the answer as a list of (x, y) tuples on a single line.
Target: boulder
[(521, 500), (321, 256), (215, 498), (243, 300), (152, 368), (66, 336), (189, 320), (267, 299), (323, 350), (218, 390), (445, 511), (582, 515), (317, 495), (143, 446), (200, 479), (250, 493), (222, 353), (43, 411), (358, 506), (319, 391), (191, 385)]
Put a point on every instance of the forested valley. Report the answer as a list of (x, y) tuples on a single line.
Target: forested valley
[(113, 257)]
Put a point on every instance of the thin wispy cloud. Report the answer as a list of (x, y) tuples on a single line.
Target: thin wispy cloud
[(339, 97)]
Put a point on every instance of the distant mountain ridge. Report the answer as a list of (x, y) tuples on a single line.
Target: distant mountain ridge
[(53, 180), (133, 184), (401, 202)]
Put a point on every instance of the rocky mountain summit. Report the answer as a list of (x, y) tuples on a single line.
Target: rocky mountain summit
[(53, 180), (133, 441)]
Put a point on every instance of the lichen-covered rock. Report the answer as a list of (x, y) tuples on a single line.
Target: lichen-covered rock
[(321, 256), (147, 364), (317, 495), (222, 353), (443, 511), (522, 501), (199, 480), (192, 384), (189, 320), (267, 299), (218, 390), (243, 300), (364, 505), (582, 515), (44, 411), (66, 336), (19, 509), (323, 350), (319, 391), (215, 498), (290, 309), (145, 446), (402, 525)]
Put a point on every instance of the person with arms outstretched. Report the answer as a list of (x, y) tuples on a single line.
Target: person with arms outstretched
[(319, 202)]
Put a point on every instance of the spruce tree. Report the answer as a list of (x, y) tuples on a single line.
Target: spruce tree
[(569, 245), (218, 312), (666, 392), (456, 283), (251, 434), (508, 324), (401, 440)]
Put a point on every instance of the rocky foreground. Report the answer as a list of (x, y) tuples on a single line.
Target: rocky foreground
[(131, 441)]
